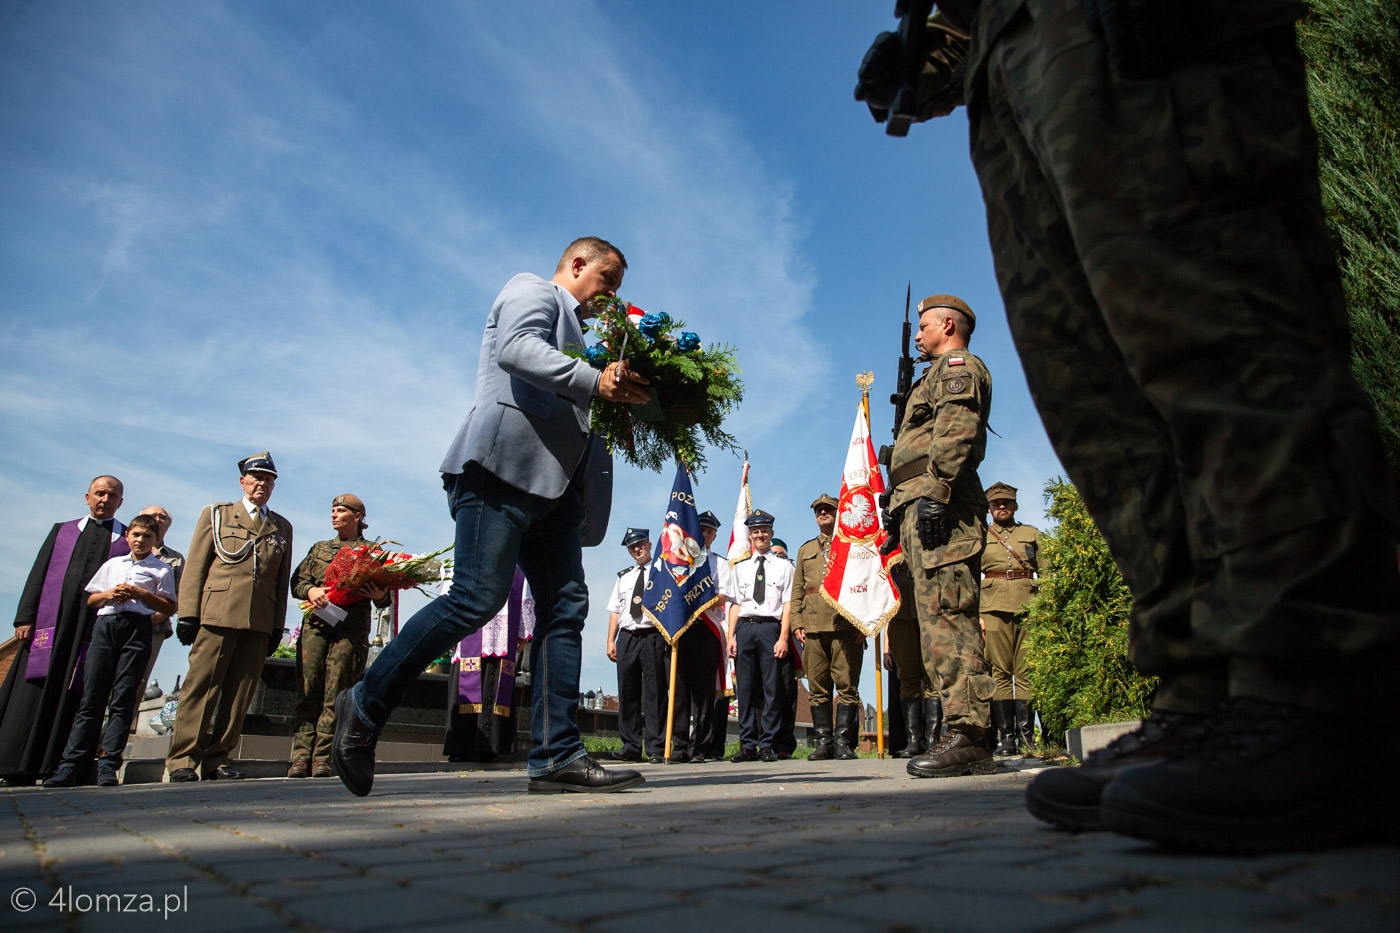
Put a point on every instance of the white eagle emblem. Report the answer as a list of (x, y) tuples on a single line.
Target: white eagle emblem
[(858, 513)]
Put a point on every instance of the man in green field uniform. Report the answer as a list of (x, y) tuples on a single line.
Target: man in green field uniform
[(330, 655), (832, 648), (1008, 586), (938, 506), (1150, 176)]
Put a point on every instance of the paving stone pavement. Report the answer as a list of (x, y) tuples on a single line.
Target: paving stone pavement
[(828, 846)]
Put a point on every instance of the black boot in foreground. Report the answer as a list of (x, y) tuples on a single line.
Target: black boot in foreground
[(1246, 784), (962, 751)]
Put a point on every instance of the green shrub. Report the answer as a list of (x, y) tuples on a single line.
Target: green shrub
[(1077, 627)]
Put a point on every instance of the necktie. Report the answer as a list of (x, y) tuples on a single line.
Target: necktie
[(637, 594), (758, 589), (257, 519)]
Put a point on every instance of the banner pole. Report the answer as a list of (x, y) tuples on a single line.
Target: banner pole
[(879, 655), (671, 698)]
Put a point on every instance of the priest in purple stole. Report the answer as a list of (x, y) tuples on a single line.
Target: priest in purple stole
[(42, 691), (481, 707)]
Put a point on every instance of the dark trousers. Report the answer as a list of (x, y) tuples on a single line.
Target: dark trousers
[(697, 663), (113, 671), (642, 675), (716, 737), (786, 741), (757, 684)]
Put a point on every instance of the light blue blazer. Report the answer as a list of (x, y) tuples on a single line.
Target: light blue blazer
[(528, 424)]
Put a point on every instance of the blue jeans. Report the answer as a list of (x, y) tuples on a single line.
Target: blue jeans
[(498, 527)]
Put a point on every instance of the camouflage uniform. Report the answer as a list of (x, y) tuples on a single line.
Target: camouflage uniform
[(1171, 288), (330, 658), (941, 442)]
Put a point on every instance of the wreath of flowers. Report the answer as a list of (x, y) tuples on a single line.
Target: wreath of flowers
[(693, 388)]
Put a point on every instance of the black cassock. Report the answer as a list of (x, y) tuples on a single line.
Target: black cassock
[(35, 718)]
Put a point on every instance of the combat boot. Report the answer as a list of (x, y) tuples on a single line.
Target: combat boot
[(1240, 785), (1070, 798), (847, 731), (1004, 718), (933, 722), (821, 725), (913, 727), (962, 751)]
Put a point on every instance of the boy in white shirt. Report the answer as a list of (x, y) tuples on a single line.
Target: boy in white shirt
[(127, 592)]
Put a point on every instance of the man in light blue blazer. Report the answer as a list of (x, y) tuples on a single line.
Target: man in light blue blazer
[(526, 483)]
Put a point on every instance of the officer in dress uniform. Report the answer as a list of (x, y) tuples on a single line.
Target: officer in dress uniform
[(640, 652), (1008, 586), (832, 648), (759, 626), (233, 607)]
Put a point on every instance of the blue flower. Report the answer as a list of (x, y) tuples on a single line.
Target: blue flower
[(689, 341), (653, 324), (597, 355)]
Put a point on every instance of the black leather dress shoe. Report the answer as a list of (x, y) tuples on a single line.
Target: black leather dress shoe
[(353, 748), (183, 776), (585, 776), (223, 773), (656, 759), (744, 754), (624, 755), (698, 759), (680, 758), (767, 754)]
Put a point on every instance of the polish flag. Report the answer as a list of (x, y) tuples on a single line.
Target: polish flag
[(858, 582)]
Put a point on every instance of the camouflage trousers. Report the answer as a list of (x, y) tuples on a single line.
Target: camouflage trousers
[(833, 659), (902, 636), (950, 636), (1170, 285), (1006, 653), (328, 661)]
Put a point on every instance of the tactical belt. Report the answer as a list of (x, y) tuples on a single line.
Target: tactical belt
[(1007, 575), (909, 471), (810, 590)]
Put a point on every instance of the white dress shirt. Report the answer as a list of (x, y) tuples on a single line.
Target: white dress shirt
[(621, 600), (777, 586), (151, 574), (256, 512)]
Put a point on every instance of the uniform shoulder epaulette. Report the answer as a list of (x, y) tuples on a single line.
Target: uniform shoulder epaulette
[(623, 571)]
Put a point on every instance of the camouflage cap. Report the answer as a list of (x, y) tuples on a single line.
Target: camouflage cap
[(350, 501), (947, 301), (824, 499), (260, 462), (1001, 491)]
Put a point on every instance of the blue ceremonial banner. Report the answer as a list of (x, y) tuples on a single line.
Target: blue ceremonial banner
[(680, 584)]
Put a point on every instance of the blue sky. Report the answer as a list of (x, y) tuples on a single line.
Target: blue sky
[(245, 226)]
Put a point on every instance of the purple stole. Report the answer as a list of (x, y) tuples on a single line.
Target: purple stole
[(51, 598), (470, 683)]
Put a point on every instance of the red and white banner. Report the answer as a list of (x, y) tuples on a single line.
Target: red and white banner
[(738, 531), (858, 582)]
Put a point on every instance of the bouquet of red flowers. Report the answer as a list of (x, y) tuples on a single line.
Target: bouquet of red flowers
[(370, 564)]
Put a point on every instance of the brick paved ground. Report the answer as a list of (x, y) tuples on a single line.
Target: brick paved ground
[(830, 845)]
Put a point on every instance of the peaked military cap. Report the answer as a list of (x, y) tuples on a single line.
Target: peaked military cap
[(350, 501), (260, 462), (759, 518), (1001, 491), (707, 518), (947, 301), (824, 499), (635, 536)]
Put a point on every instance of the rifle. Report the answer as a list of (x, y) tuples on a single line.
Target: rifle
[(913, 47), (904, 385)]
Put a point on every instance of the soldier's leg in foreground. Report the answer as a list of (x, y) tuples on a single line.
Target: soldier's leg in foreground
[(1218, 259), (312, 648)]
